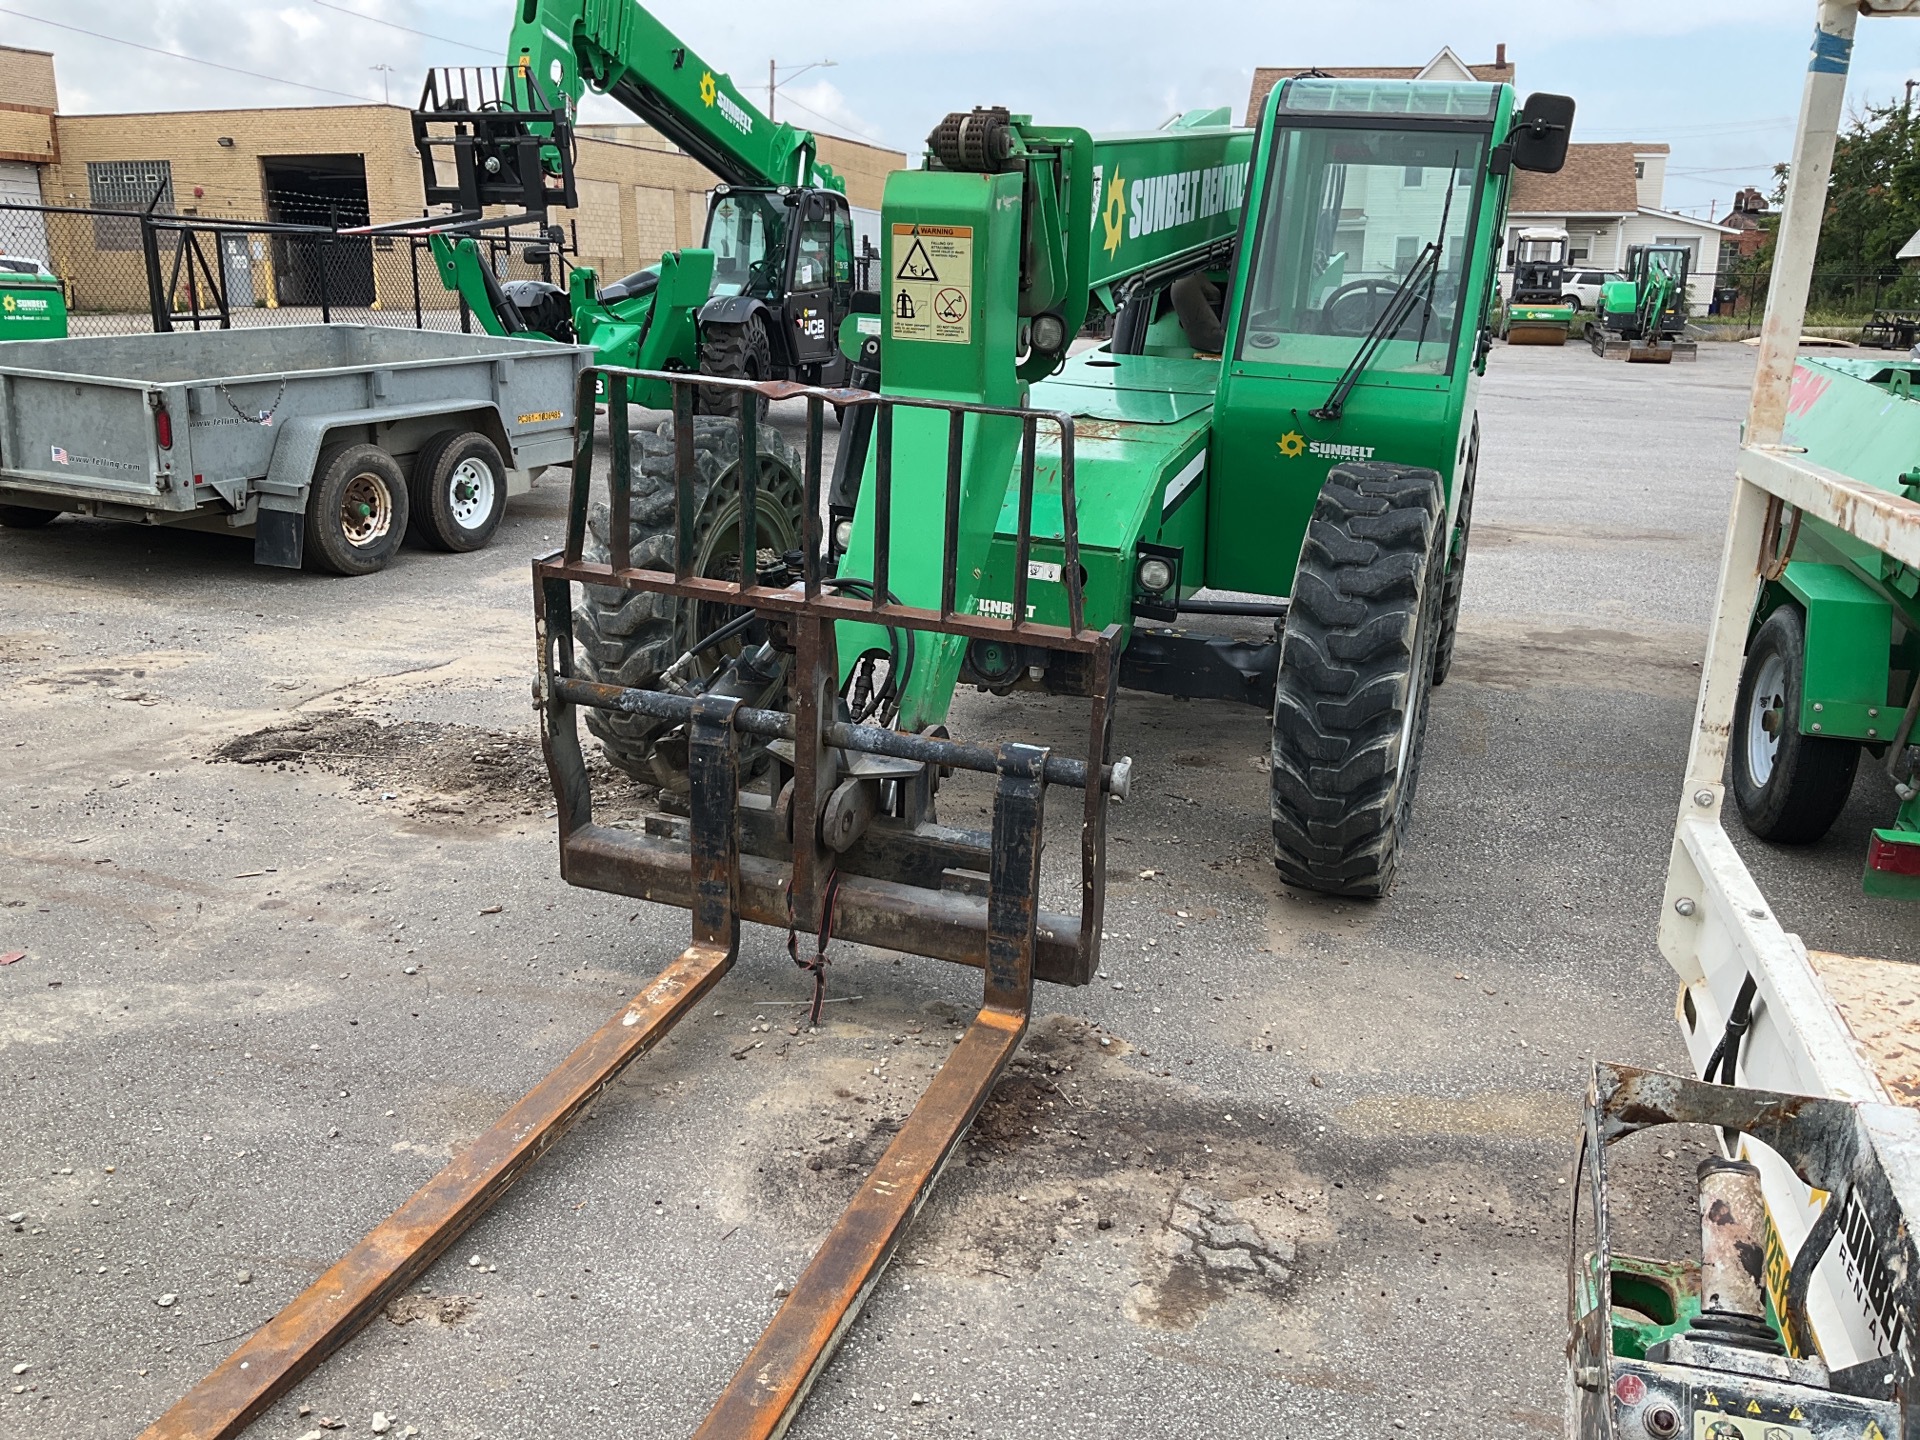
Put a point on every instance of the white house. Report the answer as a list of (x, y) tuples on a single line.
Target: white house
[(1607, 198)]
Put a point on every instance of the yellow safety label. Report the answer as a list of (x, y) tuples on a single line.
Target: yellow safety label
[(539, 416), (932, 291)]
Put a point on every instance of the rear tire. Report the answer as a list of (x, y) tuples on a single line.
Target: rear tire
[(1457, 562), (1356, 672), (458, 491), (27, 517), (1790, 787), (357, 510), (630, 637), (735, 352)]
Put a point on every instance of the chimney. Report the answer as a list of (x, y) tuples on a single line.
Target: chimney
[(1500, 53)]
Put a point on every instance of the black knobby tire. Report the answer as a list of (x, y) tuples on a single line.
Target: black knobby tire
[(1356, 670), (630, 638), (735, 352), (1455, 582), (1791, 790), (357, 510), (458, 491), (26, 517)]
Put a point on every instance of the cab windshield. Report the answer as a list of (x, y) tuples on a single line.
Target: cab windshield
[(747, 232), (1348, 214)]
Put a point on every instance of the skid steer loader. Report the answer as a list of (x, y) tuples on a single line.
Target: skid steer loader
[(1286, 409)]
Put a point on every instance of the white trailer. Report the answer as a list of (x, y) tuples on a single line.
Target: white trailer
[(1835, 1183)]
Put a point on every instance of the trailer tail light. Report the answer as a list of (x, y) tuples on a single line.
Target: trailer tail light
[(1893, 857), (163, 426)]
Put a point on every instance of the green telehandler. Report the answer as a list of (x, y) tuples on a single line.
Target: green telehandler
[(1285, 410), (763, 295)]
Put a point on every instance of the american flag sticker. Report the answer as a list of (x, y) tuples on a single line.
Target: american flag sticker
[(59, 456)]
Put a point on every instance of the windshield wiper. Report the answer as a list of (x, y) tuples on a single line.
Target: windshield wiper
[(1393, 315)]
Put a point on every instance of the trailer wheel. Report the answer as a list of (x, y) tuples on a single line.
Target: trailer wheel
[(630, 638), (357, 510), (1457, 562), (1790, 787), (1356, 671), (735, 352), (458, 491), (26, 517)]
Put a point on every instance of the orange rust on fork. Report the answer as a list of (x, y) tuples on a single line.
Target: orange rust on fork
[(284, 1350)]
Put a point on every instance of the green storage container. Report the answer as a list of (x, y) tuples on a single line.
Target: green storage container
[(33, 305)]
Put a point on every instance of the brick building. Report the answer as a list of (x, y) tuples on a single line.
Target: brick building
[(337, 164)]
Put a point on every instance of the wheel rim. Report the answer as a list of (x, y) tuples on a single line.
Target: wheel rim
[(366, 510), (1766, 718), (470, 493)]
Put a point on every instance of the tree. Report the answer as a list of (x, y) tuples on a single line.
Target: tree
[(1873, 208)]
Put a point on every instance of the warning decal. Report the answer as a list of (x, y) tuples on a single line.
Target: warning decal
[(932, 290)]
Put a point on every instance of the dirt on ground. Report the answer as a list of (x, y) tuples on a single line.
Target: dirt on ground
[(459, 774)]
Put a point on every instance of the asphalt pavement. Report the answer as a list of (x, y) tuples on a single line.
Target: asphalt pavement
[(277, 849)]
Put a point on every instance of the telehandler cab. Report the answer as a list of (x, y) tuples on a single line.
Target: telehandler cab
[(1286, 410), (762, 295)]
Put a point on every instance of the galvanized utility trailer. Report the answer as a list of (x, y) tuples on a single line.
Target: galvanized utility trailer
[(1802, 1319), (326, 443)]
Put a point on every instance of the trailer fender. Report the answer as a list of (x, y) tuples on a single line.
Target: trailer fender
[(1844, 693)]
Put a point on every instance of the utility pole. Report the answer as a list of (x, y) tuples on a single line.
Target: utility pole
[(774, 82), (386, 96), (1909, 105)]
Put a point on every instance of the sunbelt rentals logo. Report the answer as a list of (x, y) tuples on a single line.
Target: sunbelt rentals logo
[(715, 99), (1113, 215), (1293, 445)]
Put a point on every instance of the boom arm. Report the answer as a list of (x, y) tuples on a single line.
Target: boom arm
[(621, 49)]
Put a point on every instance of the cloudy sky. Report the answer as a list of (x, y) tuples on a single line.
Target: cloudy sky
[(1718, 79)]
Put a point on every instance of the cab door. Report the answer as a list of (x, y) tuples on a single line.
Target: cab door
[(811, 283)]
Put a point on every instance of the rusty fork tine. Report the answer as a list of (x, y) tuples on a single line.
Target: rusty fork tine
[(404, 1246), (768, 1389)]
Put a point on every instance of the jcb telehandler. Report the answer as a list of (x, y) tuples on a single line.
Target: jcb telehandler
[(1286, 409), (763, 294)]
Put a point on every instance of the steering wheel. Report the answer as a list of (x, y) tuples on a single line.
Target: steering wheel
[(1355, 308)]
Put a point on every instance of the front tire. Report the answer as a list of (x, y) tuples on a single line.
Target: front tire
[(357, 510), (1790, 787), (1356, 672), (735, 352), (458, 491), (631, 637)]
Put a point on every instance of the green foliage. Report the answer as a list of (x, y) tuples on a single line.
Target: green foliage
[(1873, 208)]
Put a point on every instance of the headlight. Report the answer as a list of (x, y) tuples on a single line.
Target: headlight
[(1048, 333), (1156, 575), (842, 535)]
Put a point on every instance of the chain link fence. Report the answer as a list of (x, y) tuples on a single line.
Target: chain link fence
[(1838, 300), (131, 272)]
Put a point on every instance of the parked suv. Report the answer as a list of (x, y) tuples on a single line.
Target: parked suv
[(1582, 287)]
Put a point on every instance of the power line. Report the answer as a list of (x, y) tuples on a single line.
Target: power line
[(407, 29), (190, 59), (798, 105)]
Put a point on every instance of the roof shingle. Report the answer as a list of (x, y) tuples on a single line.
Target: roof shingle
[(1596, 180)]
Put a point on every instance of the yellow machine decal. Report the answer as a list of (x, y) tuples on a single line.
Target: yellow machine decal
[(538, 417), (933, 283)]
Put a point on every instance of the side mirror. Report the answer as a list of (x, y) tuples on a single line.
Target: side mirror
[(1540, 133)]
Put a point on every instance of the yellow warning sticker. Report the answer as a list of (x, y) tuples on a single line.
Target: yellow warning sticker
[(932, 291), (1709, 1426)]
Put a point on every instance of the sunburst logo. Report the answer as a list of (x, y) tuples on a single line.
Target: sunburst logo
[(1113, 214), (709, 91), (1293, 444), (9, 304)]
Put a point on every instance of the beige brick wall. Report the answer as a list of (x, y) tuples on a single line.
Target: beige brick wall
[(639, 196), (26, 135), (26, 79)]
